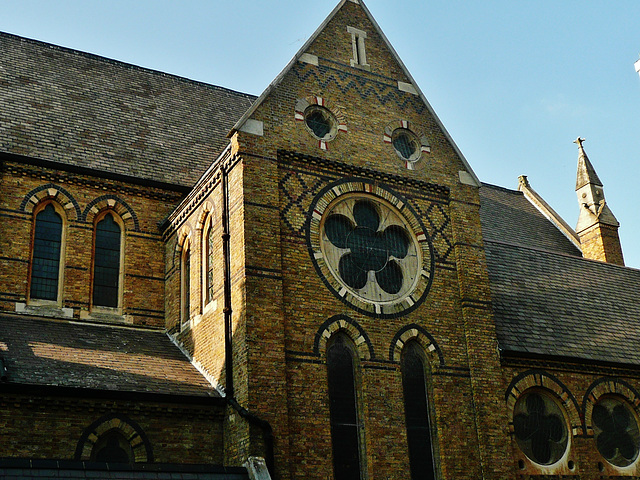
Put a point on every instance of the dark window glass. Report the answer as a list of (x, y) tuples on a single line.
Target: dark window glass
[(616, 431), (369, 249), (186, 285), (45, 269), (318, 121), (112, 447), (106, 270), (210, 265), (405, 144), (345, 429), (540, 428), (416, 413)]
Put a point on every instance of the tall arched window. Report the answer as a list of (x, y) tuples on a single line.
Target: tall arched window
[(346, 429), (209, 265), (185, 281), (106, 262), (416, 409), (47, 247)]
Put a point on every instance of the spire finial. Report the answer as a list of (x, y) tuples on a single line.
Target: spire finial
[(579, 142)]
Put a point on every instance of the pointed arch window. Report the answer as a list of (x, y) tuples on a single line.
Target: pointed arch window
[(346, 428), (107, 262), (47, 249), (416, 410), (185, 281), (209, 264)]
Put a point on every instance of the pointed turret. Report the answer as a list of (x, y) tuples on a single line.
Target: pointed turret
[(597, 226)]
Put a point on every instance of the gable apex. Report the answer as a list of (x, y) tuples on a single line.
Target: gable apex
[(408, 86)]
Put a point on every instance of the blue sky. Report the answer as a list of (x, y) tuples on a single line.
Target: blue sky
[(514, 82)]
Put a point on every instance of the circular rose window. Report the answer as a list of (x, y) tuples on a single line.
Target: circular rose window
[(406, 144), (370, 249), (540, 428), (320, 122), (615, 429)]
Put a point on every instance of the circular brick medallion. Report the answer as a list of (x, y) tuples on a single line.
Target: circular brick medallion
[(370, 248)]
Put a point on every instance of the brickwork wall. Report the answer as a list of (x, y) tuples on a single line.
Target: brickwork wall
[(175, 433), (575, 387), (287, 302), (141, 209), (601, 242)]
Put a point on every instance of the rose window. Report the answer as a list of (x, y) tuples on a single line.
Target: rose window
[(616, 431), (540, 428), (372, 249)]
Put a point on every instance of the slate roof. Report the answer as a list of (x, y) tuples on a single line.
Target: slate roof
[(551, 302), (48, 352), (507, 216), (79, 109)]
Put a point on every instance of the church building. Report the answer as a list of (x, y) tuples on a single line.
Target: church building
[(310, 284)]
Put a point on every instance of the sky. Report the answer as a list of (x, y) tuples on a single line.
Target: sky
[(513, 82)]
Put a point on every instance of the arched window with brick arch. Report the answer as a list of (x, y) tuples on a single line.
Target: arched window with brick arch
[(346, 424), (413, 365), (185, 285), (48, 251), (208, 251), (107, 260)]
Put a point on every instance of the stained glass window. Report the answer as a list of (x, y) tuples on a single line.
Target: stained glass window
[(615, 429), (47, 242), (406, 144), (540, 428), (106, 270), (345, 428), (416, 412), (320, 122)]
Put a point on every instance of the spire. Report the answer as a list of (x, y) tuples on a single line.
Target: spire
[(586, 172), (597, 226)]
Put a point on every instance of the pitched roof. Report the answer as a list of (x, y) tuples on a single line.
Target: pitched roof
[(507, 216), (548, 300), (73, 354), (79, 109)]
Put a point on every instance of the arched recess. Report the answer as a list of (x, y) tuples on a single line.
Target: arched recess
[(58, 194), (116, 204), (544, 380), (424, 338), (607, 386), (127, 428), (351, 328)]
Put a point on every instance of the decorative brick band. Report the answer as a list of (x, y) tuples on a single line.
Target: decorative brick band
[(136, 437), (53, 192), (424, 338), (349, 326), (543, 380), (116, 204), (607, 386)]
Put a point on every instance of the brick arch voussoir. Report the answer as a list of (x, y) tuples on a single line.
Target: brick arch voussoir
[(423, 337), (115, 203), (303, 103), (342, 323), (607, 386), (205, 211), (140, 445), (541, 379), (53, 192)]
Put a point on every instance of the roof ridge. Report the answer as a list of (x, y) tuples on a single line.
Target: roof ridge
[(121, 63), (499, 187)]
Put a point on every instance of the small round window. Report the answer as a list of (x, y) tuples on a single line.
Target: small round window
[(406, 144), (321, 122), (540, 428), (615, 429)]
